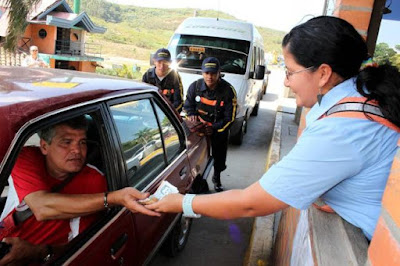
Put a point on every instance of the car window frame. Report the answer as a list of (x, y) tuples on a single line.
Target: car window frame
[(155, 100), (111, 173)]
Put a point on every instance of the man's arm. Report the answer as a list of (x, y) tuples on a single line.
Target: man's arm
[(144, 77), (46, 205), (190, 103), (22, 252), (229, 110), (178, 91)]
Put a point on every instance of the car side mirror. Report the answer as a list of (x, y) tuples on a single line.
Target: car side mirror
[(260, 71)]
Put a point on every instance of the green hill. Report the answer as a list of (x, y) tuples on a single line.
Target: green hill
[(134, 32)]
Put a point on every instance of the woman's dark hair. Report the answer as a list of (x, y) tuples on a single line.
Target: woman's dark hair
[(335, 42)]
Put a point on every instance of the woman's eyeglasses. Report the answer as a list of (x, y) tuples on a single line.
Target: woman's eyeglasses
[(290, 73)]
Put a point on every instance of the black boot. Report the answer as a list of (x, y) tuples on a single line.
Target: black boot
[(217, 182)]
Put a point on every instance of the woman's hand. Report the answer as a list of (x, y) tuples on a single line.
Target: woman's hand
[(170, 203)]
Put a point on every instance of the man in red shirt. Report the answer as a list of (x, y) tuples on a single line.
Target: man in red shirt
[(60, 214)]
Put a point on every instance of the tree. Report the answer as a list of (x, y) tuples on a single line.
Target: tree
[(383, 53), (18, 12)]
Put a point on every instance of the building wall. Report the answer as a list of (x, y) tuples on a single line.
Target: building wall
[(46, 45), (87, 67)]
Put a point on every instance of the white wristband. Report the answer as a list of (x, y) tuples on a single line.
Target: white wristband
[(187, 206)]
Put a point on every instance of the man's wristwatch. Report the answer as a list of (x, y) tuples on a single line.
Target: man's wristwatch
[(187, 206), (49, 255)]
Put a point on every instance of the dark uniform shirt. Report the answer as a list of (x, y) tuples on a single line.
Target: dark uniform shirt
[(170, 86), (216, 106)]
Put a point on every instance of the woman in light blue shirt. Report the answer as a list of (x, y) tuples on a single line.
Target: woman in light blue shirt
[(344, 154)]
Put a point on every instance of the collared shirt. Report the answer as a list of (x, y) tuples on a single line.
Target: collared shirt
[(29, 61), (345, 161)]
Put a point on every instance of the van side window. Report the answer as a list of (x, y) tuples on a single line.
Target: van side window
[(140, 140)]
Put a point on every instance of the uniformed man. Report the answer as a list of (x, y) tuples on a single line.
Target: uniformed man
[(166, 79), (212, 100)]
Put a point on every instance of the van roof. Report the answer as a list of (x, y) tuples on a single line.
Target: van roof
[(216, 27)]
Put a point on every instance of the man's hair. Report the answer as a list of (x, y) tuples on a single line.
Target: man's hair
[(48, 133), (33, 47)]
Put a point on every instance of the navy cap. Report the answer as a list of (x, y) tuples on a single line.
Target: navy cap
[(162, 54), (210, 64)]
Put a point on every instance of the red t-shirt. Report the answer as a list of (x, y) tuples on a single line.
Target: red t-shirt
[(29, 175)]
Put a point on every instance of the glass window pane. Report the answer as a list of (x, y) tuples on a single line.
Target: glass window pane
[(170, 135), (191, 50), (140, 140)]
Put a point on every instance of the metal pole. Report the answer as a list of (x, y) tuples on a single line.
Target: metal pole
[(77, 6)]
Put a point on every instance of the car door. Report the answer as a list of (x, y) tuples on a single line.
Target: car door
[(112, 240), (145, 121)]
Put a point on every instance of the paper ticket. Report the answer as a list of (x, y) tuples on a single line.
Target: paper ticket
[(164, 189)]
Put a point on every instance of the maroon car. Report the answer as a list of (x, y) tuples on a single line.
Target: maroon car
[(135, 138)]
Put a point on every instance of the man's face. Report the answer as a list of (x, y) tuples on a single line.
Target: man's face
[(66, 153), (162, 67), (34, 52), (211, 79)]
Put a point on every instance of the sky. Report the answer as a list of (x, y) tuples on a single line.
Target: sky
[(275, 14)]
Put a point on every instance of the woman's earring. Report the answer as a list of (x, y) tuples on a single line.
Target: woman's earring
[(319, 96)]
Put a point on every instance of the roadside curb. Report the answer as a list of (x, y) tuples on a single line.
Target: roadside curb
[(261, 239)]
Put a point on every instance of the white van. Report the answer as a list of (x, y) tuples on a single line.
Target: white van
[(239, 48)]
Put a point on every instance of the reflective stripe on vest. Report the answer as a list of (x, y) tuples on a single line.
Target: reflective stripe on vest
[(168, 92), (359, 107), (210, 102)]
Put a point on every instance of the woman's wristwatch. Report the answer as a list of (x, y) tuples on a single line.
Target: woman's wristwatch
[(187, 206)]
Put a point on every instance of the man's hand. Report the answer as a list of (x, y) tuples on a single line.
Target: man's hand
[(208, 127), (22, 252), (128, 197), (208, 130), (193, 118)]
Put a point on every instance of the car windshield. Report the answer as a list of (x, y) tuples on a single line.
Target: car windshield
[(189, 52)]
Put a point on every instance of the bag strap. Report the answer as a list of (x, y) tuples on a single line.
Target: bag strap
[(361, 108), (21, 216)]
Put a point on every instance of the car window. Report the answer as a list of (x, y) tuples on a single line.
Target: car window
[(140, 140), (29, 174), (170, 136)]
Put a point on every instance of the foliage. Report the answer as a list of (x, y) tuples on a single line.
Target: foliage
[(385, 54), (134, 32), (123, 71), (143, 30), (19, 10)]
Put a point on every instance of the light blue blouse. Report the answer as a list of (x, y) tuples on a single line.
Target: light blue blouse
[(345, 161)]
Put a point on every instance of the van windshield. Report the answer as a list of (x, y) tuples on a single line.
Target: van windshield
[(189, 52)]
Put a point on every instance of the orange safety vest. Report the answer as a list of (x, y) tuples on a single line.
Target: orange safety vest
[(360, 108)]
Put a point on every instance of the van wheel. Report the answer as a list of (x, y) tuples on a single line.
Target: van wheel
[(238, 138), (255, 109), (177, 238)]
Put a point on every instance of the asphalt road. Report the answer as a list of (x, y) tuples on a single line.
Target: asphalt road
[(225, 242)]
